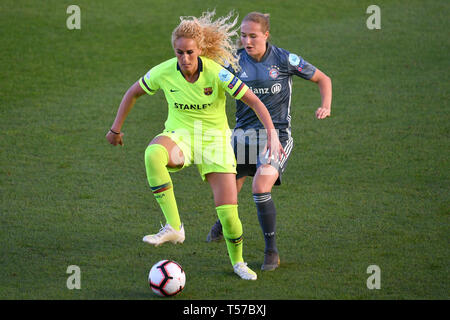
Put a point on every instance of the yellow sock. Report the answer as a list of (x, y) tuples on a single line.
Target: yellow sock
[(232, 231), (156, 159)]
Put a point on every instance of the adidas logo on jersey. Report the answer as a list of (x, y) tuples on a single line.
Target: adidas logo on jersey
[(243, 75)]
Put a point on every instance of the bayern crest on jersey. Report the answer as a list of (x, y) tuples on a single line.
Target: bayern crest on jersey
[(273, 73)]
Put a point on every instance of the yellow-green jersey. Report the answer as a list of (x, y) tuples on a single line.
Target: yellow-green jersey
[(204, 100)]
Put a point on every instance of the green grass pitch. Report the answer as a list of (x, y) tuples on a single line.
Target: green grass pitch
[(368, 186)]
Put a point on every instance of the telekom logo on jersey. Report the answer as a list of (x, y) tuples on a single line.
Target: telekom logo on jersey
[(207, 144)]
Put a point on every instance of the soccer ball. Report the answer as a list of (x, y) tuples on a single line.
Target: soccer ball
[(166, 278)]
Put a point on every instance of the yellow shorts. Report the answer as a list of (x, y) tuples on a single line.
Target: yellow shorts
[(209, 153)]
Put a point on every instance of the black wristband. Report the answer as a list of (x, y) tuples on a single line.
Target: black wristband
[(114, 131)]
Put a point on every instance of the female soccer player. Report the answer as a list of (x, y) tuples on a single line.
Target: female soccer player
[(196, 130), (268, 71)]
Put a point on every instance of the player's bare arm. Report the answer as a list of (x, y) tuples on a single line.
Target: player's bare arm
[(115, 136), (273, 143), (325, 87)]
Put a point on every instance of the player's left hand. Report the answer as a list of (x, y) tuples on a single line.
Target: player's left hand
[(323, 112)]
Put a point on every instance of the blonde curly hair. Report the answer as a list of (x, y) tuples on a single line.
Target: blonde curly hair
[(212, 37)]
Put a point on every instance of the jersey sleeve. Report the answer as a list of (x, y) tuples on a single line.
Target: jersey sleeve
[(300, 67), (231, 84), (149, 82)]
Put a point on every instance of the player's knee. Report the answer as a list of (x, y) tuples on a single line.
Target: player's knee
[(264, 179), (155, 156)]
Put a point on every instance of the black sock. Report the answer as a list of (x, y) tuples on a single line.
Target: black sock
[(267, 219)]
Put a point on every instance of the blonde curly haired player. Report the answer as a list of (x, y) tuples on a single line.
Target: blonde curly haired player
[(194, 84), (214, 38)]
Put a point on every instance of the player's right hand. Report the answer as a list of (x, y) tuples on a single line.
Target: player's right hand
[(273, 150), (114, 139)]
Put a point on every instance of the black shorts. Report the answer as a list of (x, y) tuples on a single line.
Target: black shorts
[(248, 148)]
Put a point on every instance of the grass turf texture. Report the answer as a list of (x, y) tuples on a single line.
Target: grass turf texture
[(370, 185)]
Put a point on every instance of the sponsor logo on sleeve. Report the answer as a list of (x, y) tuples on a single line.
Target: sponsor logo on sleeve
[(301, 65), (232, 83), (224, 75), (294, 60)]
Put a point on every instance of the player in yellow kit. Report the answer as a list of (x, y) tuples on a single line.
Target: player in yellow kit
[(196, 131)]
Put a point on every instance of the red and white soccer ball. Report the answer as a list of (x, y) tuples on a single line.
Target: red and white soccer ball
[(166, 278)]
